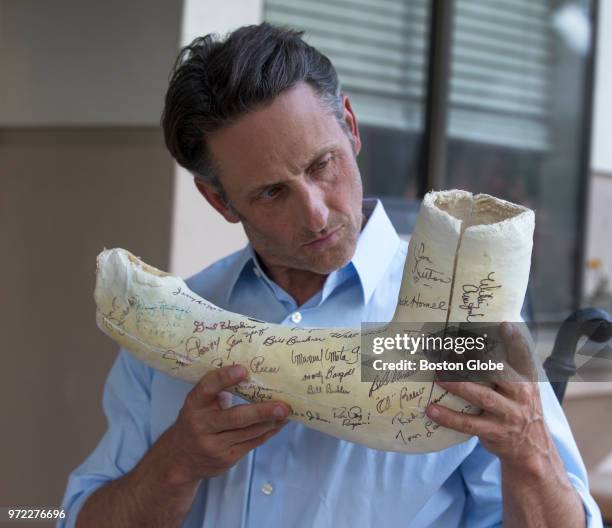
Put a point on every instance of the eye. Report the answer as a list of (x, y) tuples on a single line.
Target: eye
[(271, 192), (320, 165)]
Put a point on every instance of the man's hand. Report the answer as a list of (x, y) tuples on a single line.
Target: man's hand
[(512, 422), (535, 487), (209, 436)]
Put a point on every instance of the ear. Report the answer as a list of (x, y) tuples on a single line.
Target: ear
[(214, 198), (351, 121)]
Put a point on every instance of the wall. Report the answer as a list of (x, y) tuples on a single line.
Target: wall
[(82, 166), (599, 216), (82, 62), (601, 153), (65, 194), (199, 234)]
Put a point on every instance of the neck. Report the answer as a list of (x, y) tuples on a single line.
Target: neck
[(300, 284)]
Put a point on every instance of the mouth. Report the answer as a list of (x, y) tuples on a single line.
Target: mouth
[(325, 241)]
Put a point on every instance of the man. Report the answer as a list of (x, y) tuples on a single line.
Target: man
[(260, 122)]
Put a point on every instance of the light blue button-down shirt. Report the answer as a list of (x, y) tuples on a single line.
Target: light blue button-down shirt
[(301, 477)]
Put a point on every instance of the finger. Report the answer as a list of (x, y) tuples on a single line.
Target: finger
[(206, 390), (507, 342), (245, 415), (224, 399), (509, 382), (518, 351), (464, 423), (244, 447), (238, 436), (480, 395)]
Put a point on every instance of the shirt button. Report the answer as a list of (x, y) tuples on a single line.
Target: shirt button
[(267, 489), (257, 272), (296, 317)]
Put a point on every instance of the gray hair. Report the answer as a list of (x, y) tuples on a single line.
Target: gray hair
[(214, 82)]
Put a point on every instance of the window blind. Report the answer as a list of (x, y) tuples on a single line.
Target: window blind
[(499, 72), (377, 46)]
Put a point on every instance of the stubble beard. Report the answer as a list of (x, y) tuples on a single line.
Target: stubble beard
[(303, 258)]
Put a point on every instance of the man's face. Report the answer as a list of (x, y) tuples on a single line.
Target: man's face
[(290, 176)]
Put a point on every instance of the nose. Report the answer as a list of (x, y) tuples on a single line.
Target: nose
[(314, 210)]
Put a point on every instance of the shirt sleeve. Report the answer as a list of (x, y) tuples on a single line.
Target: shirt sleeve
[(568, 450), (126, 403), (481, 471)]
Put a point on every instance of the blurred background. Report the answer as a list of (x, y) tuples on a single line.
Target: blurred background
[(507, 97)]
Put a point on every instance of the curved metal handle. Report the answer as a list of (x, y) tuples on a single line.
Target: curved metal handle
[(560, 365)]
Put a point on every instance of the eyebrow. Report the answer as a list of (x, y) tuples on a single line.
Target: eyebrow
[(323, 150)]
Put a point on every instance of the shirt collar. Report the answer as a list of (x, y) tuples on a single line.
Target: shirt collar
[(245, 263), (376, 246)]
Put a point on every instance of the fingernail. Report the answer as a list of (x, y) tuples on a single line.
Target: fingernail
[(506, 330), (279, 412), (432, 411), (238, 371)]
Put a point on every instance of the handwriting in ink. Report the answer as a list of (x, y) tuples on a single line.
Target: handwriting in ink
[(423, 269), (475, 296)]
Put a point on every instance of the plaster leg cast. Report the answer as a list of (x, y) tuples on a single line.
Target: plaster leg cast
[(460, 242)]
